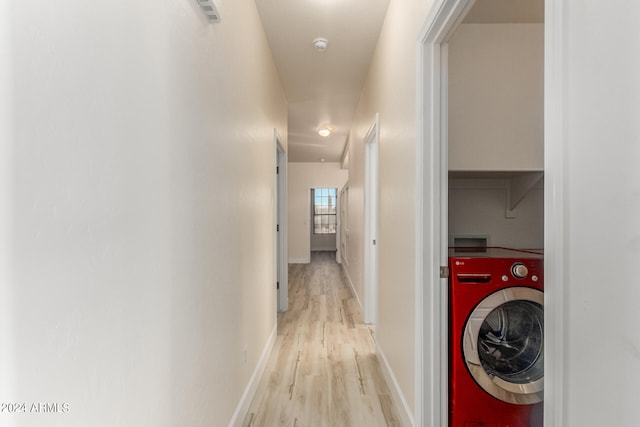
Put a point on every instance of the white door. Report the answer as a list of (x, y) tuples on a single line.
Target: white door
[(280, 213), (371, 223)]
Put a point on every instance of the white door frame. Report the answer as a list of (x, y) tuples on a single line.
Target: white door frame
[(343, 223), (432, 206), (431, 368), (555, 114), (371, 142), (338, 224), (280, 218)]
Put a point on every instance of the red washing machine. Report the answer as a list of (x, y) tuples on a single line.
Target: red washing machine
[(496, 337)]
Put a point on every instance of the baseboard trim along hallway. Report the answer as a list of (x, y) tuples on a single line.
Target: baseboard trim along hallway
[(299, 260), (352, 287), (250, 391), (400, 402), (323, 370)]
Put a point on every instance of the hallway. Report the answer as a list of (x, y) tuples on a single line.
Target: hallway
[(323, 370)]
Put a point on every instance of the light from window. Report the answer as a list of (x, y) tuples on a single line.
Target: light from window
[(324, 210)]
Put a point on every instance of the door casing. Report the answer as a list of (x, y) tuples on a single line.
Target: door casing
[(280, 226), (371, 141), (431, 297)]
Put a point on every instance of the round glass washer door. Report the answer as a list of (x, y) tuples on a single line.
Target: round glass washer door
[(503, 345)]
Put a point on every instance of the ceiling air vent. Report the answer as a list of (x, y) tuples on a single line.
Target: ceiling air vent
[(210, 10)]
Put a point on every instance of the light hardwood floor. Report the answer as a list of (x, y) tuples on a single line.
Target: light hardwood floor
[(323, 370)]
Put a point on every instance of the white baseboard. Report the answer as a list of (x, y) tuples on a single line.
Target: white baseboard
[(324, 249), (353, 288), (306, 260), (406, 417), (249, 392)]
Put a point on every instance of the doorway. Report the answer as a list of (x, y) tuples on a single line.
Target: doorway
[(371, 142), (280, 215), (433, 210)]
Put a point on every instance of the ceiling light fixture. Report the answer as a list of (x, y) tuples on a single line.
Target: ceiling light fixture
[(320, 44), (324, 132)]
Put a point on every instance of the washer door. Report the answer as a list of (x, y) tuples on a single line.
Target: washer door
[(503, 345)]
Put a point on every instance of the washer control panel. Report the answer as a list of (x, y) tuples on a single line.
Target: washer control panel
[(519, 270), (516, 268)]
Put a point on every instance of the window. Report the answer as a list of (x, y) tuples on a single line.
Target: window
[(324, 210)]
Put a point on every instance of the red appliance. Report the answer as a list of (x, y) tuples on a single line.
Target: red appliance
[(496, 337)]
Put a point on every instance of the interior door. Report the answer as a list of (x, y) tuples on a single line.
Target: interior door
[(371, 224), (280, 213)]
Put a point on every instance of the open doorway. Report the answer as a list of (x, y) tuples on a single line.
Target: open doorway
[(280, 214), (371, 141), (433, 196)]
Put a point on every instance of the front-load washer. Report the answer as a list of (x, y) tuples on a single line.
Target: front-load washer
[(496, 336)]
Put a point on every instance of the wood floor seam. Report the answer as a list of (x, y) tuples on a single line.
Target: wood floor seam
[(323, 370)]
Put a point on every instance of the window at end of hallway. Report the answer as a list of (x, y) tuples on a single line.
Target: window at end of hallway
[(324, 210)]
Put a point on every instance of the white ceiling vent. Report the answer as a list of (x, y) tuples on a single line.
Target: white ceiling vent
[(210, 10)]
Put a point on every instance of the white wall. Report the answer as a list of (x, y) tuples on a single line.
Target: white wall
[(136, 204), (478, 207), (323, 242), (496, 75), (390, 89), (302, 178), (593, 214)]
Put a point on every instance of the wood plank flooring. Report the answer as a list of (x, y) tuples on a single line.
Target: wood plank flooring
[(323, 370)]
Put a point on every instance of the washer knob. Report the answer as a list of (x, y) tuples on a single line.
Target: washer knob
[(519, 270)]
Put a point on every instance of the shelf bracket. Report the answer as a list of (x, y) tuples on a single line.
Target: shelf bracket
[(517, 187)]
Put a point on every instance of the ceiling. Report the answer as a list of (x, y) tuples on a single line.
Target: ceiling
[(323, 88), (506, 11)]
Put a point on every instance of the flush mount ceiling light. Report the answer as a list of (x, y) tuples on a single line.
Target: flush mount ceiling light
[(320, 44), (325, 129), (324, 132)]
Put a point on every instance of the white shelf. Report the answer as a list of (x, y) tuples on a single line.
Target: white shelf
[(517, 183)]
